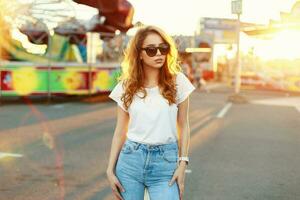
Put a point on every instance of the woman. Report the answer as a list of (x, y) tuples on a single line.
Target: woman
[(152, 98)]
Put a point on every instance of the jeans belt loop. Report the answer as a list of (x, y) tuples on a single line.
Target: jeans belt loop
[(161, 150), (136, 146)]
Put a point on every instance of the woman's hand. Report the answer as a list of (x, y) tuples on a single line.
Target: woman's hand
[(179, 175), (115, 184)]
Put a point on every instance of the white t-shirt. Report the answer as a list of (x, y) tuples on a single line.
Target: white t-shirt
[(153, 120)]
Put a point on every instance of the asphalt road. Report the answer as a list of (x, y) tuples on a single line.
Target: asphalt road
[(244, 151)]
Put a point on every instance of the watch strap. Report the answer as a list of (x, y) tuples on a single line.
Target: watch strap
[(184, 158)]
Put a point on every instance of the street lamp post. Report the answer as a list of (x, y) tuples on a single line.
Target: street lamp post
[(236, 8), (238, 62)]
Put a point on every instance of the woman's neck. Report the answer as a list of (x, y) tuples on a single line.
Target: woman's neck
[(151, 76)]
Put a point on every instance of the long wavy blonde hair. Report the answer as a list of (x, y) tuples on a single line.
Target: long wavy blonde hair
[(133, 72)]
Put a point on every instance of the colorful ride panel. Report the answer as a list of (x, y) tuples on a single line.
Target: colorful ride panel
[(19, 79)]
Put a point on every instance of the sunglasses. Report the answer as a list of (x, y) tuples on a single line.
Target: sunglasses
[(152, 51)]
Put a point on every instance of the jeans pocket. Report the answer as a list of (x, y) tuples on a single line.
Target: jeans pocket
[(127, 148), (170, 156)]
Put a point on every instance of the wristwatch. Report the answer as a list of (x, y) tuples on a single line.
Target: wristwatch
[(184, 158)]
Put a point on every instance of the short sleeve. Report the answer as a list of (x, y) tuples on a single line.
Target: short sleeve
[(116, 95), (184, 87)]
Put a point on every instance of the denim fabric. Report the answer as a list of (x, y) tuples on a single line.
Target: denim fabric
[(151, 166)]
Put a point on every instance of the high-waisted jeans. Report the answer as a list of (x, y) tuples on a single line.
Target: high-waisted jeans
[(151, 166)]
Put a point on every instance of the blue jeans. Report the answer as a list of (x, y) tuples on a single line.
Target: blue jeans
[(151, 166)]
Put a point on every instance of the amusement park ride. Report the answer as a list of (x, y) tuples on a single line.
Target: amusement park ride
[(65, 62)]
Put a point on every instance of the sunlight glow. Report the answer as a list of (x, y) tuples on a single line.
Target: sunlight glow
[(285, 45)]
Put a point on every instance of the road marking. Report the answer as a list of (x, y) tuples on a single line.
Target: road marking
[(3, 155), (188, 171), (225, 109), (285, 101)]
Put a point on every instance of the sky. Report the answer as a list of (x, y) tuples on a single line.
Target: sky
[(183, 16)]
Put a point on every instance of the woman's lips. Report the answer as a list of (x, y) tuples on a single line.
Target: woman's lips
[(159, 60)]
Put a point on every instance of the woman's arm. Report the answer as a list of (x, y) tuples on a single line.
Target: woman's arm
[(117, 142), (184, 141), (183, 128), (118, 138)]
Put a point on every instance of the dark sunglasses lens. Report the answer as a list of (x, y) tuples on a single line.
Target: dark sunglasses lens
[(151, 51), (164, 50)]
